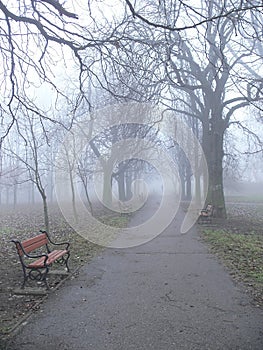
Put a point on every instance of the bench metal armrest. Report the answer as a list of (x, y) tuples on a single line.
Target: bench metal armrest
[(54, 243), (36, 256), (25, 254)]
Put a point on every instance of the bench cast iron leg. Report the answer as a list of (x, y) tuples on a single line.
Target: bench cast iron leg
[(66, 261)]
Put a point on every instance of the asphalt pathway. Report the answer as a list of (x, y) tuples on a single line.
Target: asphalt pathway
[(170, 293)]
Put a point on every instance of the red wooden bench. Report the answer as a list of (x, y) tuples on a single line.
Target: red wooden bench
[(206, 214), (36, 266)]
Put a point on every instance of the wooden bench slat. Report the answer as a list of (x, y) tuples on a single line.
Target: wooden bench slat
[(33, 243), (56, 254), (42, 259), (206, 214)]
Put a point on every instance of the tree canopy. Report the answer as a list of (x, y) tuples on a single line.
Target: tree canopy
[(202, 60)]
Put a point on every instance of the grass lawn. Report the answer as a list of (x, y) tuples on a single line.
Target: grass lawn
[(243, 254)]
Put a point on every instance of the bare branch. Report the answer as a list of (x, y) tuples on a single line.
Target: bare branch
[(222, 14)]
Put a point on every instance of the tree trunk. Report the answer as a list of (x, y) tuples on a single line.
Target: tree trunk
[(121, 186), (197, 188), (213, 148), (51, 186), (45, 208), (107, 190), (128, 181), (188, 188), (182, 177), (188, 176), (88, 198), (73, 198), (85, 183), (197, 172), (44, 201)]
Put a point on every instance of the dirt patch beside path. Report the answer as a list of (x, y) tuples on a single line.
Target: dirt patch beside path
[(244, 219), (238, 241), (23, 223)]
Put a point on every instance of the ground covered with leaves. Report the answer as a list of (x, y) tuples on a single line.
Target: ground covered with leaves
[(22, 223), (238, 242)]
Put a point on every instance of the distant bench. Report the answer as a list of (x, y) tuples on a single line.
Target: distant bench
[(206, 214), (36, 266)]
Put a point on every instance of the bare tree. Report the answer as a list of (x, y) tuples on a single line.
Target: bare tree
[(211, 78), (151, 50), (31, 159), (41, 41), (198, 69), (194, 16)]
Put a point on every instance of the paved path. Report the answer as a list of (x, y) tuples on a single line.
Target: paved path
[(167, 294)]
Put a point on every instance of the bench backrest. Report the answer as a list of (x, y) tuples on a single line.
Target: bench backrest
[(210, 209), (33, 243)]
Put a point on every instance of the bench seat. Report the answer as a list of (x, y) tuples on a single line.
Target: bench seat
[(36, 266), (206, 214), (52, 257)]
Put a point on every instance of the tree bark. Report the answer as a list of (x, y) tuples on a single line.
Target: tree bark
[(128, 181), (213, 148), (107, 189), (45, 206), (197, 188), (73, 197), (188, 187), (121, 186)]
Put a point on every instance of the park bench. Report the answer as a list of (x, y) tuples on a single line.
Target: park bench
[(36, 256), (206, 214)]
